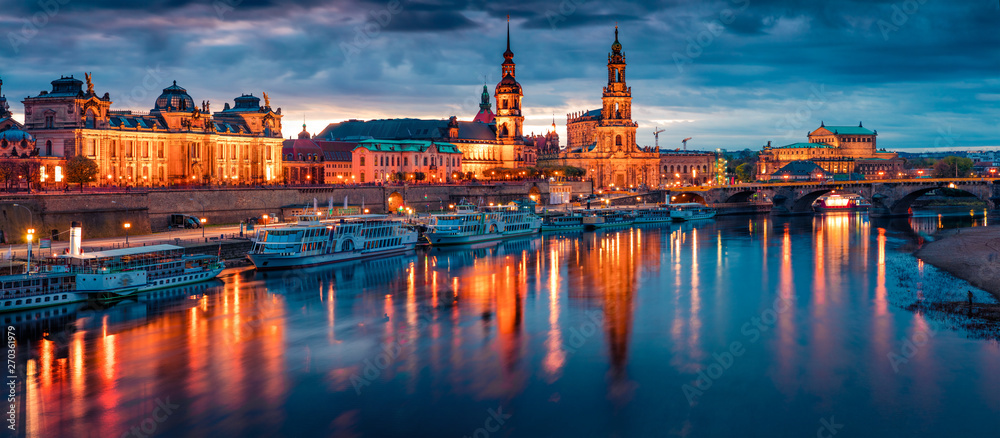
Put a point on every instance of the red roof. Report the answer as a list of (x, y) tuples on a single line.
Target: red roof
[(484, 116)]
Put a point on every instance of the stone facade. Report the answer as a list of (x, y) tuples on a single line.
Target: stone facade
[(379, 160), (605, 141), (177, 142), (836, 149), (679, 168)]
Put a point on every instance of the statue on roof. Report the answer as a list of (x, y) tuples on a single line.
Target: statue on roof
[(267, 100), (90, 84)]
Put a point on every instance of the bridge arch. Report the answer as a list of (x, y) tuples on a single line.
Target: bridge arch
[(684, 197), (902, 206), (742, 196)]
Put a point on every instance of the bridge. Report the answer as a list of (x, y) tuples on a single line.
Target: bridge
[(888, 197)]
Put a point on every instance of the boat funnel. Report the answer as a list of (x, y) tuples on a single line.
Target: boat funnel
[(75, 238)]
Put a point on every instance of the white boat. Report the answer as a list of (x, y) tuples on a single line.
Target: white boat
[(569, 222), (690, 211), (651, 215), (312, 242), (607, 218), (126, 271), (20, 292), (105, 275), (471, 225)]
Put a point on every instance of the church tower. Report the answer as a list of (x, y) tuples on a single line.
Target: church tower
[(616, 129), (508, 94)]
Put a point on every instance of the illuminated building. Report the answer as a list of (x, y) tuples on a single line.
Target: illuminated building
[(177, 142), (682, 167), (379, 160), (836, 149), (491, 140), (603, 141)]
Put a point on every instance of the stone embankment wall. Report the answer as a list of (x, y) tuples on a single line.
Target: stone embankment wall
[(104, 214)]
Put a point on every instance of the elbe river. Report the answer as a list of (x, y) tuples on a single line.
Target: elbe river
[(742, 326)]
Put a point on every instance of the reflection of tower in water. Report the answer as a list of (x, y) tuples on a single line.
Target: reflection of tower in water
[(615, 261)]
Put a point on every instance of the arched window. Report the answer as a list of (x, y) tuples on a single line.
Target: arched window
[(48, 147), (362, 163), (618, 140), (362, 177), (91, 119)]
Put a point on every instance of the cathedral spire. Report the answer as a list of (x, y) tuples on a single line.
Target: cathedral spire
[(508, 56)]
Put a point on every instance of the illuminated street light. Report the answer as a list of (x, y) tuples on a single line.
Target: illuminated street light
[(126, 226), (31, 238)]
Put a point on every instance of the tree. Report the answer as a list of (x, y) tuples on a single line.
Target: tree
[(470, 176), (746, 172), (8, 172), (81, 170), (31, 170), (953, 167), (419, 176)]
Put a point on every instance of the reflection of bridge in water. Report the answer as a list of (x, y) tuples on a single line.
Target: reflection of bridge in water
[(888, 197)]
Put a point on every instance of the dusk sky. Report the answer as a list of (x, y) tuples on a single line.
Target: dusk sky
[(731, 74)]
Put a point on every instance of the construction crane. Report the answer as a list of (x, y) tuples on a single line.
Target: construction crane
[(656, 134), (685, 141)]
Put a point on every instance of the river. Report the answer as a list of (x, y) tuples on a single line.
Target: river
[(744, 326)]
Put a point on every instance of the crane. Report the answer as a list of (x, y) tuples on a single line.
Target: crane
[(656, 134), (685, 141)]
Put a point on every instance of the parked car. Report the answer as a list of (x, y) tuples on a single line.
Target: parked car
[(184, 221)]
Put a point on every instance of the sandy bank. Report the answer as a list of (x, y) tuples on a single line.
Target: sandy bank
[(972, 254)]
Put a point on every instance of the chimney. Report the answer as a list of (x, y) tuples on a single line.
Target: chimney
[(75, 238)]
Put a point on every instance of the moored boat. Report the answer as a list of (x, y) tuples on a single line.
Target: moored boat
[(607, 218), (312, 242), (649, 215), (837, 202), (690, 211), (471, 225), (571, 221), (105, 275)]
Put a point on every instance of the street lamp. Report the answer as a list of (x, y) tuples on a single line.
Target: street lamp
[(31, 238), (127, 226), (31, 216), (202, 220)]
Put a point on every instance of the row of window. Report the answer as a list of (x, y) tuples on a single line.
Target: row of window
[(9, 303), (684, 169), (394, 161)]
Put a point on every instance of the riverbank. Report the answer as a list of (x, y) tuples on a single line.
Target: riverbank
[(972, 254)]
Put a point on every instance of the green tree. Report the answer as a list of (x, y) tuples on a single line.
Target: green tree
[(81, 170), (952, 167), (419, 176), (746, 172)]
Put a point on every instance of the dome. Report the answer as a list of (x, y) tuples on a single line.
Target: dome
[(247, 102), (508, 85), (15, 135), (174, 98)]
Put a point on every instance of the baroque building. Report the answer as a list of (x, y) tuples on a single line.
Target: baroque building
[(177, 142), (603, 141), (489, 141), (835, 149)]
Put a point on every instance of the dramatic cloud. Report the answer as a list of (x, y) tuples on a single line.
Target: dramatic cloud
[(731, 73)]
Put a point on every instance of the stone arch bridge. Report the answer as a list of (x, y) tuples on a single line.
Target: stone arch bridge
[(888, 197)]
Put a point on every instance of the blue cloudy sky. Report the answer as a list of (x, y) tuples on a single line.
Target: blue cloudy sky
[(730, 73)]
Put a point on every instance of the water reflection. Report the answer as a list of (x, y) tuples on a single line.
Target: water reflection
[(576, 334)]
